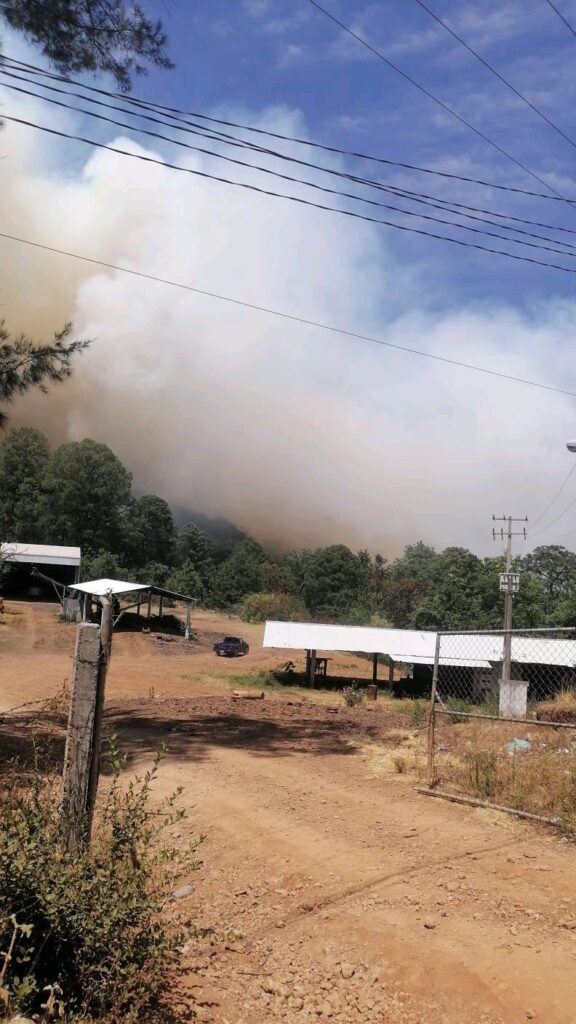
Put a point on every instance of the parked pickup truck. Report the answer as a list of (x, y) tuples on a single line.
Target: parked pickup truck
[(231, 647)]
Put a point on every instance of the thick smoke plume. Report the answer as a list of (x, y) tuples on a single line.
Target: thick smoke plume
[(300, 436)]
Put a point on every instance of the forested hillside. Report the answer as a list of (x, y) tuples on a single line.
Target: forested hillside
[(80, 493)]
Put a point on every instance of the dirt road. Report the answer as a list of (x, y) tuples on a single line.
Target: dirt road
[(356, 899), (345, 896)]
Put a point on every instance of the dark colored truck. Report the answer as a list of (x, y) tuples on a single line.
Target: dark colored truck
[(231, 647)]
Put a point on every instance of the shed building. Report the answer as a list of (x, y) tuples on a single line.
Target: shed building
[(32, 561)]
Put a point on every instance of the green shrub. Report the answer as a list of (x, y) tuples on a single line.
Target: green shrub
[(352, 696), (418, 711), (85, 927), (283, 607), (482, 767)]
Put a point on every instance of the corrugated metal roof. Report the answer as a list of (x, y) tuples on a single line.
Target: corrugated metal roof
[(99, 588), (477, 650), (46, 554)]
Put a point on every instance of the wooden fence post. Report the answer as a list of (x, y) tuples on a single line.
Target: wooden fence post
[(83, 738)]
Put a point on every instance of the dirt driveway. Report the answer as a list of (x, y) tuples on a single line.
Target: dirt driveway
[(356, 899), (334, 890)]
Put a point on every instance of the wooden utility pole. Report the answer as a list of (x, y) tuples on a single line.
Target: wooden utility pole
[(84, 734)]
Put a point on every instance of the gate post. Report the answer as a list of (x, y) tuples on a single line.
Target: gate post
[(83, 736), (432, 717)]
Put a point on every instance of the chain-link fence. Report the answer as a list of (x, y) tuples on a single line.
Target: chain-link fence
[(503, 721)]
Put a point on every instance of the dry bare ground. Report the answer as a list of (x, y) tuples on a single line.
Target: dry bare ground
[(345, 895)]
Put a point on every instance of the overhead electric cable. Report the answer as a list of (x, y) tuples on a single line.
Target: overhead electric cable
[(562, 18), (308, 202), (420, 198), (553, 521), (556, 496), (175, 113), (493, 70), (300, 181), (431, 96), (288, 316)]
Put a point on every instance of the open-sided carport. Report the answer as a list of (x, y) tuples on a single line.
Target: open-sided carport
[(143, 592), (399, 645)]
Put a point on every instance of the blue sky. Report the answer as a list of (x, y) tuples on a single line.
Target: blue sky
[(287, 53)]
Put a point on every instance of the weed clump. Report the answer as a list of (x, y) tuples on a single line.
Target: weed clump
[(81, 931), (353, 697), (418, 711)]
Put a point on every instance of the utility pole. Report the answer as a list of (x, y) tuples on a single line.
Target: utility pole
[(509, 583)]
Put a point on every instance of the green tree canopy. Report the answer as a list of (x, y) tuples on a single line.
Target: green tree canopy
[(24, 455), (86, 494), (25, 365), (333, 580), (108, 36), (149, 531), (185, 580), (555, 567), (242, 573), (453, 599), (193, 545), (102, 565)]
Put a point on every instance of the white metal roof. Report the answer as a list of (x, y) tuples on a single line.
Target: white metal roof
[(45, 554), (399, 644), (477, 650), (459, 660), (99, 588), (526, 650)]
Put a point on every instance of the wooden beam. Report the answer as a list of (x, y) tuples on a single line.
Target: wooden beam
[(188, 613), (160, 606), (84, 733), (149, 604), (391, 674), (374, 668)]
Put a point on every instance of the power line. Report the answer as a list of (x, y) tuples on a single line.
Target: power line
[(431, 96), (313, 185), (308, 202), (180, 115), (415, 197), (289, 316), (562, 18), (557, 495), (553, 521), (493, 70)]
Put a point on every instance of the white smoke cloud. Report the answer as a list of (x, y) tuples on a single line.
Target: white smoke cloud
[(300, 436)]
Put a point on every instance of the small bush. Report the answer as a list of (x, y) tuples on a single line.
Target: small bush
[(84, 927), (482, 766), (418, 711), (457, 707), (400, 764), (352, 696), (282, 607)]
